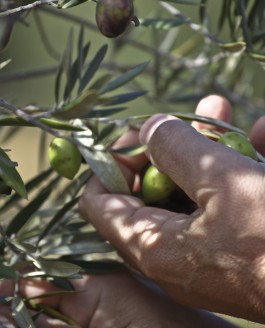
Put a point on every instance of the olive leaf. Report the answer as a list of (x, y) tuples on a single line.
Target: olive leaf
[(10, 175), (5, 299), (21, 313), (21, 218), (57, 268), (6, 272)]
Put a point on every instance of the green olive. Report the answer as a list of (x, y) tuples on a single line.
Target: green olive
[(64, 157), (240, 143), (114, 16), (156, 186)]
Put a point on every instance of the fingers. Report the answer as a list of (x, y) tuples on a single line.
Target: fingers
[(135, 163), (194, 162), (216, 107), (257, 135)]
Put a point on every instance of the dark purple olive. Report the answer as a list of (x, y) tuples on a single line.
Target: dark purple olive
[(114, 16)]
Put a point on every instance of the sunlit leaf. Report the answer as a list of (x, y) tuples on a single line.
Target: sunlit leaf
[(56, 124), (21, 313), (79, 244), (233, 46), (57, 268), (71, 3)]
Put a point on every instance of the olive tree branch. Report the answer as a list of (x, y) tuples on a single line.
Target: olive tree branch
[(27, 7), (32, 120)]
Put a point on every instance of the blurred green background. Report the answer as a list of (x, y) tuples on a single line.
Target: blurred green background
[(29, 78)]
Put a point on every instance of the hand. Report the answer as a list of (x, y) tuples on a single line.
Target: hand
[(113, 300), (213, 258)]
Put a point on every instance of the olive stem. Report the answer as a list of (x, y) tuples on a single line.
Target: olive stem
[(135, 21)]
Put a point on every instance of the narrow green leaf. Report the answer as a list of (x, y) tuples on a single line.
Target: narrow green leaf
[(105, 167), (7, 272), (258, 57), (80, 107), (126, 97), (58, 216), (56, 124), (130, 150), (58, 81), (34, 183), (72, 3), (57, 268), (103, 112), (68, 66), (125, 78), (233, 46), (80, 246), (62, 283), (10, 175), (101, 81), (26, 213), (51, 312), (21, 313), (163, 23), (93, 67), (5, 299)]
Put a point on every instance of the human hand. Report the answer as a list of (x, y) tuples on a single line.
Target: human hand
[(111, 300), (213, 258)]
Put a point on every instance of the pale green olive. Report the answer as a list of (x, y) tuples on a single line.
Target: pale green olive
[(240, 143), (156, 186), (64, 157)]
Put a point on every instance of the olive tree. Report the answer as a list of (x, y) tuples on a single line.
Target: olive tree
[(222, 52)]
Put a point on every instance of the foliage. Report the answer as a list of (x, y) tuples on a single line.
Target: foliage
[(45, 233)]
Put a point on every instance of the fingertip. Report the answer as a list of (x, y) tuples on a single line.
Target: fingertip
[(216, 107), (257, 135), (150, 125)]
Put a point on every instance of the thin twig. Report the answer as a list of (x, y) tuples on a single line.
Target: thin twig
[(28, 118), (27, 7)]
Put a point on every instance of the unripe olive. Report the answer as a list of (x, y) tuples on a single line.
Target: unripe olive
[(114, 16), (240, 143), (64, 157), (156, 186)]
